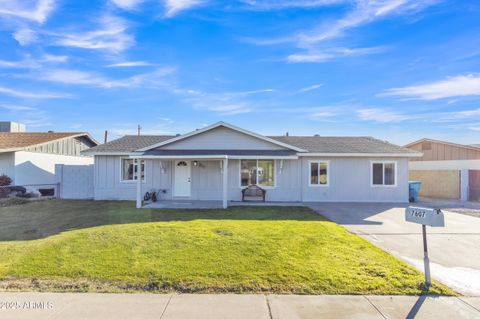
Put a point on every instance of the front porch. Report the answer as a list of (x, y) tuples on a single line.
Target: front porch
[(186, 181), (205, 178)]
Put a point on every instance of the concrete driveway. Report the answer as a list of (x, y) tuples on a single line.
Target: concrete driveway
[(454, 250)]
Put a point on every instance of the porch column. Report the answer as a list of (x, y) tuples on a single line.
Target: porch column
[(139, 182), (225, 182)]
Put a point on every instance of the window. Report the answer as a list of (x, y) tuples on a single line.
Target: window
[(383, 173), (319, 173), (257, 172), (129, 169)]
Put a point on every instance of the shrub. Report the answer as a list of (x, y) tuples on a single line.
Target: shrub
[(5, 180)]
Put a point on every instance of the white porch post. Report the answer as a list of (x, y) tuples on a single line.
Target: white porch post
[(225, 182), (139, 182)]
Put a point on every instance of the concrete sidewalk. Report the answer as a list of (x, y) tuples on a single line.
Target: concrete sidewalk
[(131, 306)]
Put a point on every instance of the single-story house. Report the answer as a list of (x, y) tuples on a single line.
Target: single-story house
[(447, 170), (29, 158), (218, 161)]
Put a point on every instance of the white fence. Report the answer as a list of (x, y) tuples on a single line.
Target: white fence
[(75, 181)]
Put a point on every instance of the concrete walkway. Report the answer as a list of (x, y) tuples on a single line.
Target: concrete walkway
[(131, 306), (454, 250)]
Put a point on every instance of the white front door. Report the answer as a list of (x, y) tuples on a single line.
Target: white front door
[(182, 181)]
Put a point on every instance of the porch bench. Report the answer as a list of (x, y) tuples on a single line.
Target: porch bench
[(253, 191)]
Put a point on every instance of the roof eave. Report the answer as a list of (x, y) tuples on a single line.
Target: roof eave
[(107, 153), (361, 154)]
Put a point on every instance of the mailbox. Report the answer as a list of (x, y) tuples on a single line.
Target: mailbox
[(425, 216)]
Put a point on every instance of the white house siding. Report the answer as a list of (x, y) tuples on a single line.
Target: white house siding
[(109, 186), (350, 181), (7, 164), (207, 181), (222, 138), (39, 168)]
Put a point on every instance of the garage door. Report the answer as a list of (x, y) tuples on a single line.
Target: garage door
[(438, 184), (474, 185)]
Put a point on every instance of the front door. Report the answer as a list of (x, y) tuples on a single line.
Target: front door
[(182, 181)]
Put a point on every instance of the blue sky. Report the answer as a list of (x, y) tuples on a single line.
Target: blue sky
[(394, 69)]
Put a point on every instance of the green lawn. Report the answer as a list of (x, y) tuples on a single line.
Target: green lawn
[(111, 246)]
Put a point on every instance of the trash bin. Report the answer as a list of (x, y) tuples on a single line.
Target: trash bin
[(413, 190)]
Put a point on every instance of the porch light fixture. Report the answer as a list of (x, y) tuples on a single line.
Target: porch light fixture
[(162, 167), (195, 163)]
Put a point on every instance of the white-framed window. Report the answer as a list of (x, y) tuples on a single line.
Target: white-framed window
[(257, 172), (383, 173), (318, 173), (129, 168)]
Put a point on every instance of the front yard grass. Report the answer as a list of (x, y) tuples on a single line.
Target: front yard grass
[(111, 246)]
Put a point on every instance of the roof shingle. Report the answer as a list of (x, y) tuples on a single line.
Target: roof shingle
[(342, 144), (313, 144), (128, 143), (14, 140)]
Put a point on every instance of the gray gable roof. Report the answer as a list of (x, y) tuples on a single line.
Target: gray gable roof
[(342, 144), (128, 143), (313, 144)]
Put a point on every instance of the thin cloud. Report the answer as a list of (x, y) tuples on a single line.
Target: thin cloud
[(53, 58), (31, 63), (128, 64), (310, 88), (231, 109), (288, 4), (111, 35), (173, 7), (225, 103), (446, 117), (309, 57), (461, 85), (325, 113), (13, 64), (363, 12), (332, 53), (25, 36), (37, 11), (32, 95), (153, 79), (382, 116), (17, 108), (127, 4)]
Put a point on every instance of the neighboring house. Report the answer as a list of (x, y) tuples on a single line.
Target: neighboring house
[(30, 158), (218, 161), (446, 170)]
